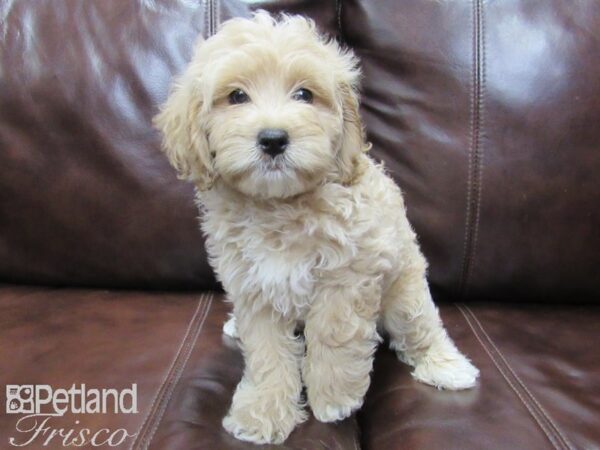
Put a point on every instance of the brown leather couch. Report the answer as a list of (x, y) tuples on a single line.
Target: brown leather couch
[(487, 113)]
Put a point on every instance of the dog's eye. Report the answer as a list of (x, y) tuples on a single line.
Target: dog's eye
[(303, 95), (238, 96)]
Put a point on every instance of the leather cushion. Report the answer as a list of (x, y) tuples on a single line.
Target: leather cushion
[(540, 374), (486, 114), (86, 196), (171, 345)]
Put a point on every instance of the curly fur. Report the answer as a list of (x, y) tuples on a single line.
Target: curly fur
[(318, 235)]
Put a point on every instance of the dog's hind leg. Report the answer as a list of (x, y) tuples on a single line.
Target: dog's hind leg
[(230, 327), (417, 334)]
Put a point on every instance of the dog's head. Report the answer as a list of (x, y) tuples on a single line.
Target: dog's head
[(268, 106)]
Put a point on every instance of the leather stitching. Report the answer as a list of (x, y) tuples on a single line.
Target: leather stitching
[(217, 15), (211, 10), (188, 353), (508, 380), (535, 413), (149, 417), (211, 29), (475, 165), (206, 15), (470, 158), (543, 411), (213, 16), (160, 392), (471, 140), (164, 382), (338, 8), (480, 134), (211, 23)]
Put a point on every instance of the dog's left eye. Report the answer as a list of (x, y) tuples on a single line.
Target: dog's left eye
[(303, 95), (238, 96)]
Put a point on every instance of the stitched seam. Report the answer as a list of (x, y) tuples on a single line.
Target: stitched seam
[(475, 155), (543, 411), (163, 383), (529, 408), (510, 383), (480, 149), (182, 358), (338, 7), (217, 15), (186, 359), (471, 141), (211, 18), (159, 392), (206, 16)]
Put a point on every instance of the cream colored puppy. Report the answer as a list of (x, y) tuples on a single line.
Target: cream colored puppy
[(301, 225)]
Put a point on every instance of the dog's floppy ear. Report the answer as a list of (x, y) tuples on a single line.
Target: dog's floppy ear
[(184, 141), (350, 161)]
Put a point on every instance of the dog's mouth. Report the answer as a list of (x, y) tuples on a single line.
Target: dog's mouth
[(276, 164)]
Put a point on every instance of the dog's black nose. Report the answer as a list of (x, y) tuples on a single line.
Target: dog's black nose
[(273, 141)]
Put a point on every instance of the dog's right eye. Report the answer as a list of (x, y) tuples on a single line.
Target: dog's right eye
[(237, 97)]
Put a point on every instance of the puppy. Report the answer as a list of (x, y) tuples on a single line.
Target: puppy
[(301, 225)]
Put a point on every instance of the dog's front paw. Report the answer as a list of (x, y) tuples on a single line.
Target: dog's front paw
[(333, 411), (446, 369), (256, 425), (333, 399), (262, 418)]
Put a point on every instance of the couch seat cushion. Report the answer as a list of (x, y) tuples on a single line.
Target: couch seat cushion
[(540, 378), (169, 344)]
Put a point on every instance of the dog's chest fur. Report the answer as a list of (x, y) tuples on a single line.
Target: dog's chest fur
[(283, 252)]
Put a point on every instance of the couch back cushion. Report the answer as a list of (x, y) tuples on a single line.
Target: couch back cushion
[(485, 113), (86, 196)]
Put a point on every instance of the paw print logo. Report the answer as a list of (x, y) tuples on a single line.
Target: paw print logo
[(19, 399)]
